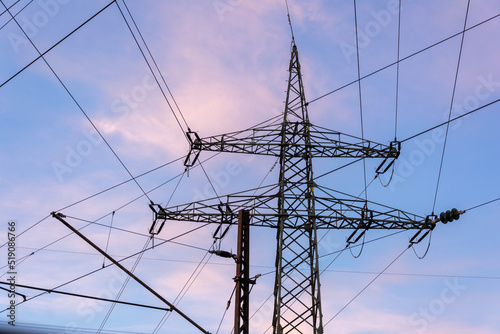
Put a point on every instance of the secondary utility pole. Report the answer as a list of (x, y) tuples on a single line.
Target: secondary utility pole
[(296, 206)]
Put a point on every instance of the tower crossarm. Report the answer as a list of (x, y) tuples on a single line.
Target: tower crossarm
[(331, 213), (267, 140)]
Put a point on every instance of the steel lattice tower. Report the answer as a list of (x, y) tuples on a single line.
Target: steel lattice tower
[(296, 206)]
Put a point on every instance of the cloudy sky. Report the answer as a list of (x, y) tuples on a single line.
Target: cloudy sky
[(225, 63)]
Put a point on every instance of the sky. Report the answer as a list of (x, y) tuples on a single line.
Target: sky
[(225, 62)]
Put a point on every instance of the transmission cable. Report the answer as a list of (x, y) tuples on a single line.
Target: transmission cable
[(451, 107), (51, 291), (151, 69), (6, 10), (124, 285), (451, 120), (397, 77), (482, 204), (76, 102), (156, 65), (225, 310), (405, 58), (187, 285), (56, 44), (110, 264), (109, 235), (359, 91), (366, 287)]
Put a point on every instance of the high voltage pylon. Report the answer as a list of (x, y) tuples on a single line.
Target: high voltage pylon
[(296, 206)]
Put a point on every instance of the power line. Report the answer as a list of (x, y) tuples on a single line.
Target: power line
[(451, 120), (150, 68), (359, 90), (124, 285), (6, 10), (50, 291), (482, 204), (366, 287), (397, 74), (56, 44), (156, 66), (76, 102), (451, 108), (110, 264), (403, 59), (99, 193)]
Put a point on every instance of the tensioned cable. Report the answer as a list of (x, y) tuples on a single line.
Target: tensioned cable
[(109, 235), (451, 107), (39, 328), (19, 12), (397, 76), (152, 72), (338, 168), (110, 264), (131, 232), (482, 204), (360, 92), (10, 8), (76, 102), (95, 221), (405, 58), (124, 285), (86, 296), (451, 120), (183, 290), (56, 44), (156, 65), (366, 287), (96, 194), (225, 310)]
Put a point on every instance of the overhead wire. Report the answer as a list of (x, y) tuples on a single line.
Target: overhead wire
[(451, 120), (124, 285), (109, 235), (75, 101), (102, 217), (225, 310), (359, 91), (52, 291), (56, 44), (366, 287), (187, 285), (6, 10), (397, 77), (483, 204), (158, 82), (110, 264), (403, 59), (451, 107), (150, 67), (156, 65)]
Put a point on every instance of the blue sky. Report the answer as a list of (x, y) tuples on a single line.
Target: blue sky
[(226, 65)]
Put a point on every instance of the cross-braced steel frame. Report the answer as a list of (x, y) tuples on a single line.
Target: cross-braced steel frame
[(296, 206)]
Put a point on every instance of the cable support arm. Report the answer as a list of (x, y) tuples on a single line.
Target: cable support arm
[(267, 140), (330, 213)]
